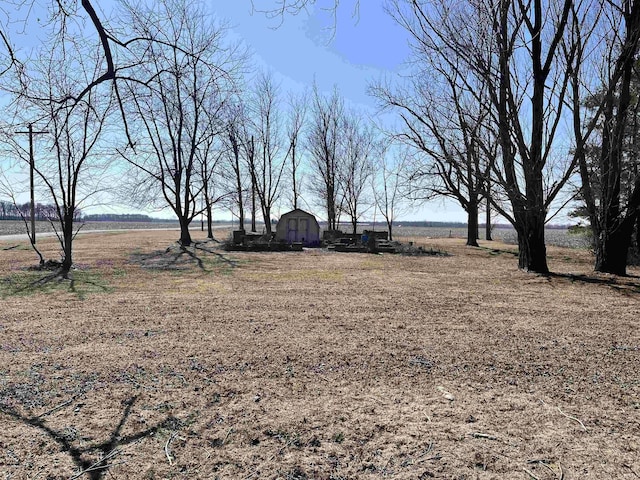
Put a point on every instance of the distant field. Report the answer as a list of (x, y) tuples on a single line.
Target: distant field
[(15, 227), (556, 237)]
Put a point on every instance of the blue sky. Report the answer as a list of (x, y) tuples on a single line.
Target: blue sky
[(301, 48), (307, 47)]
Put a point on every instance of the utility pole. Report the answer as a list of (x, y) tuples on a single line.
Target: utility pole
[(32, 167)]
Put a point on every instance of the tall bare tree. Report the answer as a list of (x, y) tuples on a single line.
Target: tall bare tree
[(324, 142), (189, 72), (608, 42), (450, 129), (267, 161), (297, 113), (514, 48), (73, 157), (233, 147), (391, 184), (358, 147), (214, 188)]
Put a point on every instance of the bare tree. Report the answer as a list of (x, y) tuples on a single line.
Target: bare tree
[(214, 189), (450, 130), (355, 168), (188, 72), (296, 121), (323, 140), (609, 173), (233, 147), (266, 160), (514, 48), (73, 161), (391, 185)]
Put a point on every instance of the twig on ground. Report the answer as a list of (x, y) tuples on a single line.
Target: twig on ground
[(573, 418), (427, 450), (167, 452), (631, 468), (227, 436), (483, 435), (546, 464), (96, 465), (528, 472)]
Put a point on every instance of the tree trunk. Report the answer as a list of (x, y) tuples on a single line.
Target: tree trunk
[(67, 244), (253, 207), (612, 248), (390, 230), (331, 211), (532, 255), (472, 223), (293, 177), (209, 221), (266, 210), (487, 226), (185, 235), (637, 239)]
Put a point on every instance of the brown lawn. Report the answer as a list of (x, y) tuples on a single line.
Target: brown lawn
[(321, 365)]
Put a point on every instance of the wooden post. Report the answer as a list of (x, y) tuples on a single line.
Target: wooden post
[(32, 167)]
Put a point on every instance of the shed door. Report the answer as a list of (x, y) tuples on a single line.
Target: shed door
[(292, 230), (303, 230)]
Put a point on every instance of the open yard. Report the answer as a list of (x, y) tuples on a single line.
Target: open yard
[(156, 363)]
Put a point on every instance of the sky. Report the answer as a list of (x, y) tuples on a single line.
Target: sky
[(300, 49), (350, 52)]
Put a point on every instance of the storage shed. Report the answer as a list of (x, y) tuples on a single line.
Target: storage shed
[(298, 226)]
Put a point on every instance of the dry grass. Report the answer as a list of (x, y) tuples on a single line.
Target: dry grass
[(202, 364)]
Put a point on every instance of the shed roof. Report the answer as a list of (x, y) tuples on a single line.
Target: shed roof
[(297, 211)]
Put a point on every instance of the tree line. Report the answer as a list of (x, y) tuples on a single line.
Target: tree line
[(172, 114), (17, 211), (508, 106), (528, 105)]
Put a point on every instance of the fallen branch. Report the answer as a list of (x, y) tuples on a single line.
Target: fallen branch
[(573, 418), (167, 452)]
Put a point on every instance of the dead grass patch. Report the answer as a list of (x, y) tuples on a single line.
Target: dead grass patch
[(320, 365)]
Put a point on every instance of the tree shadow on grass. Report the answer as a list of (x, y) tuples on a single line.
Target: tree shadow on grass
[(107, 450), (182, 258), (49, 280), (629, 284), (499, 251)]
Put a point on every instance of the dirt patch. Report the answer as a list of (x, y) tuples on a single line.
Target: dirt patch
[(314, 364)]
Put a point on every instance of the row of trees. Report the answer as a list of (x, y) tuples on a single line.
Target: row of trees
[(516, 101), (509, 103), (166, 113), (10, 210)]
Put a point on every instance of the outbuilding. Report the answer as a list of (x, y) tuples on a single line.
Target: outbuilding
[(298, 226)]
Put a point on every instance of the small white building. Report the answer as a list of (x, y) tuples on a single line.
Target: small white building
[(298, 226)]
